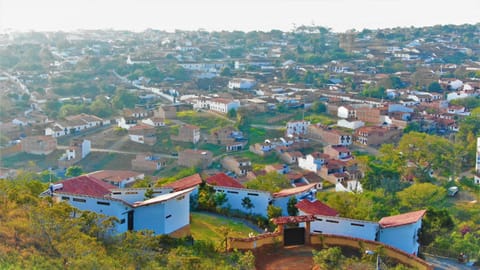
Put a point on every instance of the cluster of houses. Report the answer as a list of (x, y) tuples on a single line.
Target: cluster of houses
[(166, 209)]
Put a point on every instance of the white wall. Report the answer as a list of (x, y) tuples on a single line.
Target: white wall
[(402, 237), (259, 199), (150, 217), (115, 208), (136, 138), (179, 209), (308, 163), (342, 112), (351, 125), (86, 148), (344, 226)]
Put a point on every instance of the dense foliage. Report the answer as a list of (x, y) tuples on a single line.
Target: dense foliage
[(39, 234)]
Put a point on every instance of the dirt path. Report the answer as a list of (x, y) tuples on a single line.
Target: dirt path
[(284, 258)]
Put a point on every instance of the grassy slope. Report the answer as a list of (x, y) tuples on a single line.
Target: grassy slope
[(206, 227)]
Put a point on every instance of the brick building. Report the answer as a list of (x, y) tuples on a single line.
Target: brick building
[(195, 158), (39, 145)]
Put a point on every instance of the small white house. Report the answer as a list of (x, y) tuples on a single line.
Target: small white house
[(350, 124), (241, 83), (312, 162), (297, 128), (346, 112)]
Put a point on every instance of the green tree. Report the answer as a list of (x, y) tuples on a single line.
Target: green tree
[(206, 197), (329, 258), (74, 171), (435, 87), (421, 195), (232, 114), (435, 223), (220, 198), (100, 107), (292, 210), (124, 99), (247, 203), (318, 107), (273, 211), (246, 261), (271, 181)]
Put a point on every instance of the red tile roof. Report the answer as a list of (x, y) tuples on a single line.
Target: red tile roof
[(316, 208), (85, 185), (292, 219), (186, 182), (293, 191), (402, 219), (223, 180)]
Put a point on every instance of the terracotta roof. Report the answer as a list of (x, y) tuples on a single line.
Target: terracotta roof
[(402, 219), (114, 175), (292, 219), (223, 180), (294, 175), (186, 182), (141, 127), (316, 208), (341, 149), (85, 185), (318, 155), (312, 177), (293, 191)]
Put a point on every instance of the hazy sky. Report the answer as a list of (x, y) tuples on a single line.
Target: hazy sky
[(246, 15)]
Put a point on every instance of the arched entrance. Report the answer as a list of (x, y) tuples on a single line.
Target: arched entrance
[(294, 235)]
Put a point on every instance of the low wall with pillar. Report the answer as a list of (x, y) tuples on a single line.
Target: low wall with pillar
[(391, 252), (255, 241), (260, 240)]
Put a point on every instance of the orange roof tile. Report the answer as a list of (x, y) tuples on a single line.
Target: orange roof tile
[(186, 182), (85, 185), (402, 219), (316, 208), (293, 191), (223, 180)]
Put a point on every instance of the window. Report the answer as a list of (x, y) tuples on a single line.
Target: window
[(252, 194), (169, 216), (131, 192), (357, 224), (233, 192), (116, 193), (319, 219), (317, 231), (122, 221), (331, 221), (103, 203), (79, 200), (65, 198)]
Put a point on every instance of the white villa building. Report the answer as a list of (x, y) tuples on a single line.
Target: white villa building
[(221, 105), (312, 162), (297, 128), (166, 213), (241, 83)]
